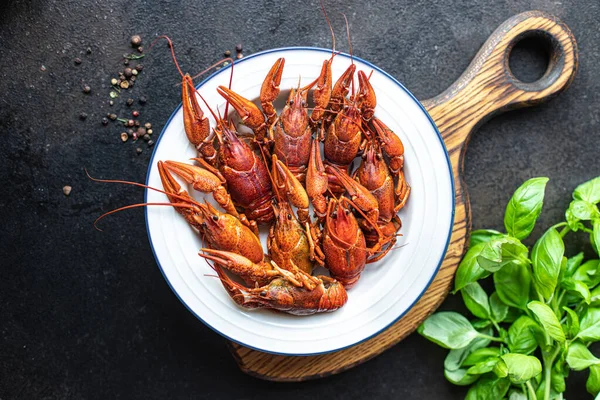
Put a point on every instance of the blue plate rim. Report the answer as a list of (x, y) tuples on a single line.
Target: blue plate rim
[(453, 200)]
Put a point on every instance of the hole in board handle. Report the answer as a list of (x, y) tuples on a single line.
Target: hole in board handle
[(529, 58), (535, 60)]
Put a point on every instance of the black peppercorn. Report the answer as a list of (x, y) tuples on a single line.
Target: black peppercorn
[(136, 40)]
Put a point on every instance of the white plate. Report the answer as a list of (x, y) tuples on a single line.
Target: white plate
[(386, 290)]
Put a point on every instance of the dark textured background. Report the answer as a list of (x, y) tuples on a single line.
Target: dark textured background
[(88, 315)]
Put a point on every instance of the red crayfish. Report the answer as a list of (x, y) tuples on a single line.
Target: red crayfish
[(272, 178)]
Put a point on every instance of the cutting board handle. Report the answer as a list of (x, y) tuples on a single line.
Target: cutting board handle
[(488, 86)]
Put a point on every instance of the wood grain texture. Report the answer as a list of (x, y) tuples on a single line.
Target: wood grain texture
[(484, 89)]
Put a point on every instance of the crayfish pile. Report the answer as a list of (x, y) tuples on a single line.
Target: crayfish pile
[(273, 177)]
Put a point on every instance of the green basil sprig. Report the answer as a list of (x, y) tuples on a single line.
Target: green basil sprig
[(543, 313)]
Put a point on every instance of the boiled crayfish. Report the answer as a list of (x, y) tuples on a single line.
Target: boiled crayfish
[(271, 179)]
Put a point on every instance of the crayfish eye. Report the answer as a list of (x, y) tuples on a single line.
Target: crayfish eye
[(334, 214), (204, 225), (303, 103), (289, 216), (347, 212), (215, 218), (263, 293), (291, 102)]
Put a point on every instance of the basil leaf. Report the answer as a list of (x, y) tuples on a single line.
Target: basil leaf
[(573, 263), (521, 338), (501, 251), (557, 378), (548, 320), (469, 270), (583, 210), (481, 323), (572, 322), (546, 258), (483, 235), (588, 191), (579, 357), (563, 269), (595, 299), (500, 369), (588, 273), (574, 223), (476, 300), (570, 299), (488, 388), (481, 355), (595, 236), (593, 382), (521, 368), (577, 287), (589, 325), (498, 308), (460, 377), (483, 367), (517, 395), (448, 329), (455, 358), (512, 285), (525, 207)]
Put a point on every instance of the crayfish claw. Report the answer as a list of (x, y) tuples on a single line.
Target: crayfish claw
[(248, 111), (322, 93), (366, 96), (294, 191), (270, 90), (316, 180), (176, 194), (358, 193), (197, 127), (240, 265)]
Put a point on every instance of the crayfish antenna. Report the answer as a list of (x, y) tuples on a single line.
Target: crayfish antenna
[(218, 63), (168, 39), (106, 214), (176, 196), (349, 41), (230, 83), (350, 48), (198, 74), (185, 201), (330, 28), (272, 173)]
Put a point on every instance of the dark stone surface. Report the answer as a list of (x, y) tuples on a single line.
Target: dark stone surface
[(88, 315)]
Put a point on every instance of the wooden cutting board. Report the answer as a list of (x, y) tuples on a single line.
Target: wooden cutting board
[(487, 87)]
